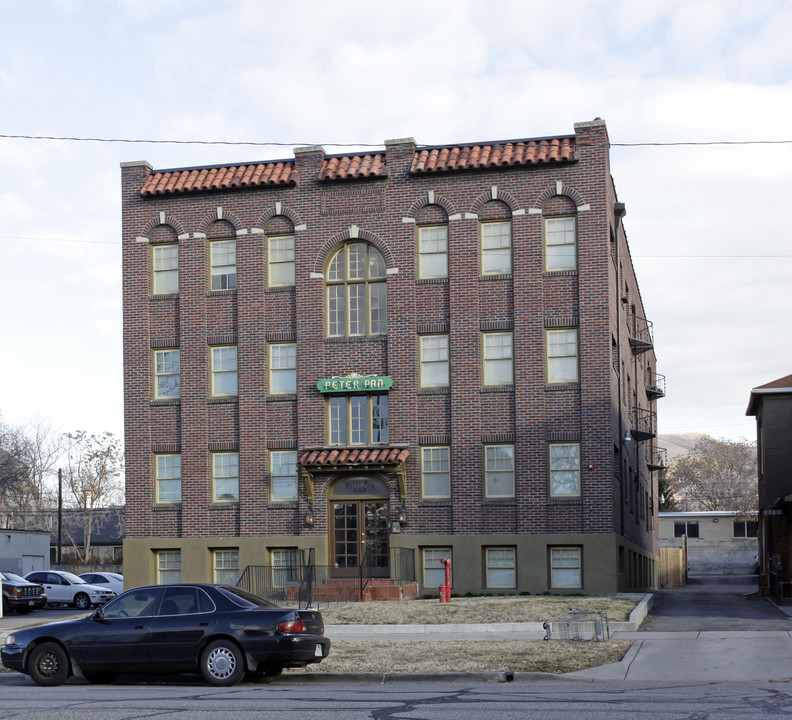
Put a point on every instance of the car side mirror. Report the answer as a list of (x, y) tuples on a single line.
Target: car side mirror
[(98, 615)]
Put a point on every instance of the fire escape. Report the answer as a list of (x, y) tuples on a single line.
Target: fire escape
[(643, 420)]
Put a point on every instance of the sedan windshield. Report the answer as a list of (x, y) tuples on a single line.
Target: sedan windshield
[(13, 577)]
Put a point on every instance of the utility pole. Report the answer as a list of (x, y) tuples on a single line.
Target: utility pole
[(60, 515)]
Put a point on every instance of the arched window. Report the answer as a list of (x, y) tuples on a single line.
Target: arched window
[(356, 299)]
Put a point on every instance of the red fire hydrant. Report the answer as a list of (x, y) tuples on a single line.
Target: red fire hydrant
[(445, 588)]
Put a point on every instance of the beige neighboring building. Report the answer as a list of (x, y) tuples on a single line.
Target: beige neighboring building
[(718, 542)]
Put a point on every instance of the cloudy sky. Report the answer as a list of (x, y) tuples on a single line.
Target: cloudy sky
[(708, 224)]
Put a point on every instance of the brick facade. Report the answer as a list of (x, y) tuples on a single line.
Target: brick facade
[(380, 200)]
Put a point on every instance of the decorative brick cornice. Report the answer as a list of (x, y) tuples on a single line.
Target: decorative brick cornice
[(218, 215), (498, 195), (163, 219), (560, 189), (229, 446), (352, 233), (279, 209), (431, 198)]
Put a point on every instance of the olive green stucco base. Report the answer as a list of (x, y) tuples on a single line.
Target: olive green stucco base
[(609, 563)]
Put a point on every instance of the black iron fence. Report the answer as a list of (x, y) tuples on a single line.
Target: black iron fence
[(89, 567), (305, 583)]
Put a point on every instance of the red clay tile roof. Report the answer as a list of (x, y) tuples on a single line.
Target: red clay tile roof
[(354, 456), (354, 166), (167, 182), (371, 165), (470, 157)]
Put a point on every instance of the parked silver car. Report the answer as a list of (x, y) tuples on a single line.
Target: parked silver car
[(66, 588), (108, 580)]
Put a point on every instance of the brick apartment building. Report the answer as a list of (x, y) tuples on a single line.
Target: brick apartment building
[(771, 405), (433, 351)]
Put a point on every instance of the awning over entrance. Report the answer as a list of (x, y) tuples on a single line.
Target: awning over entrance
[(340, 458), (355, 459)]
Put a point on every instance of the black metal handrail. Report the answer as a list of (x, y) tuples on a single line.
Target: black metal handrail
[(298, 583)]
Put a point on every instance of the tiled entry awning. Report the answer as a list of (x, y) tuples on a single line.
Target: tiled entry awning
[(339, 458), (353, 459)]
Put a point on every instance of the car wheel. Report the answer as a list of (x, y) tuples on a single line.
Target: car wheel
[(82, 601), (222, 663), (100, 678), (6, 607), (48, 665)]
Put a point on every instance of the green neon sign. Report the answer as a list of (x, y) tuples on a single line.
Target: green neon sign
[(355, 383)]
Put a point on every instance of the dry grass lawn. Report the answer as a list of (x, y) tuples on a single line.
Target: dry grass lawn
[(428, 656), (527, 608), (475, 656)]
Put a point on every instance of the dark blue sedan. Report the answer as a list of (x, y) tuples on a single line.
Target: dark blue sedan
[(222, 631)]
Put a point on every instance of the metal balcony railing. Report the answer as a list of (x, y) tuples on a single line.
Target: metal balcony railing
[(655, 386), (643, 424), (656, 458), (641, 334)]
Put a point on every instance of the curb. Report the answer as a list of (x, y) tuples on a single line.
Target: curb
[(637, 617)]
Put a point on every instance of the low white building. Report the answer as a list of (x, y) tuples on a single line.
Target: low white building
[(22, 551), (718, 542)]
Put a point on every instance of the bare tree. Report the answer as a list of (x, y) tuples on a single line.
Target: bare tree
[(716, 475), (28, 457), (94, 464)]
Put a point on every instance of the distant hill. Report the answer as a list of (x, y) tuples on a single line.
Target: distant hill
[(678, 443)]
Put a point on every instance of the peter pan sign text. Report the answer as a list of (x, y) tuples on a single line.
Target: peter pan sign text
[(355, 383)]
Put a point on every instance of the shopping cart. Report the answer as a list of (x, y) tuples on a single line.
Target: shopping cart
[(578, 625)]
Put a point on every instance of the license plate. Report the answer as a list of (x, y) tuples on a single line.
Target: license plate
[(30, 602), (318, 651)]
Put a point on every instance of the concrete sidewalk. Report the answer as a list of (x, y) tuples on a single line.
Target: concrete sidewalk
[(688, 654)]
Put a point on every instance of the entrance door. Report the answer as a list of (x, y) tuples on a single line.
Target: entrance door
[(360, 535)]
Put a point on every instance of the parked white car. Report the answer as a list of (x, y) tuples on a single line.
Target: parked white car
[(65, 587), (108, 580)]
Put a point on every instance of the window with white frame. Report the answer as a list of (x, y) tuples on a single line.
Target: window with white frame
[(356, 291), (436, 472), (501, 571), (284, 566), (434, 360), (560, 243), (222, 265), (498, 354), (280, 261), (224, 370), (283, 474), (562, 356), (358, 420), (165, 269), (432, 251), (167, 374), (225, 476), (564, 469), (565, 567), (168, 567), (496, 248), (226, 566), (499, 471), (433, 568), (283, 368), (167, 478)]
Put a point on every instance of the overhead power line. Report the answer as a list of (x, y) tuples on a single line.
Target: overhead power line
[(183, 142), (344, 144)]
